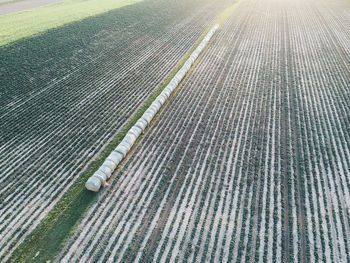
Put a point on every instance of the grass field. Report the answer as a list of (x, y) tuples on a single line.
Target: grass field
[(38, 20)]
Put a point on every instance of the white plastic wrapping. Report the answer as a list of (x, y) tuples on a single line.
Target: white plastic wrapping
[(105, 171), (142, 124), (136, 130)]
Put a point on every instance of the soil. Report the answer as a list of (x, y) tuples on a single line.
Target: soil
[(17, 6)]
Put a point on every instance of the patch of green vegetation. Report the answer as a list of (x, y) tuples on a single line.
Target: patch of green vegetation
[(19, 25), (47, 240)]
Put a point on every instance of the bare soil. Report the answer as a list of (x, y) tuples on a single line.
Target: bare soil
[(17, 6)]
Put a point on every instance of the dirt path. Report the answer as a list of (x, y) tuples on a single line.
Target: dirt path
[(16, 6)]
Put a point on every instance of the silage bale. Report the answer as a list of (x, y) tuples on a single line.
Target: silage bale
[(115, 157), (167, 93), (110, 164), (142, 124), (148, 116), (93, 184), (136, 131), (130, 138), (158, 104), (106, 170), (161, 99), (163, 96), (126, 145), (122, 149), (168, 90), (151, 110), (155, 107), (101, 176)]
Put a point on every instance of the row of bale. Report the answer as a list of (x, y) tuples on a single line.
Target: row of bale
[(110, 164)]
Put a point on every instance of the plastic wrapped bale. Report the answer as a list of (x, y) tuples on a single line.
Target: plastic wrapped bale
[(148, 116), (93, 184), (130, 138), (161, 99), (167, 93), (136, 131), (155, 107), (151, 110), (174, 83), (142, 124), (110, 164), (126, 145), (122, 149), (158, 104), (192, 59), (101, 176), (169, 88), (106, 170), (143, 118), (163, 96), (115, 157)]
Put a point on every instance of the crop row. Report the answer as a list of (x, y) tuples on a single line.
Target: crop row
[(324, 142)]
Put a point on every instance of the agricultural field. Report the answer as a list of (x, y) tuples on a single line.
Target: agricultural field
[(247, 161), (66, 93), (250, 159)]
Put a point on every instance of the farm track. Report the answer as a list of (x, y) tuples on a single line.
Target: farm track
[(250, 160), (11, 7), (48, 137)]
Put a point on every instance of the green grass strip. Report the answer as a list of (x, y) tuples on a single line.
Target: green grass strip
[(26, 23)]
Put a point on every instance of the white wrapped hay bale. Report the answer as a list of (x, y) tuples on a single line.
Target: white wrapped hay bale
[(123, 148), (161, 99), (93, 183), (135, 130), (105, 171), (102, 176), (148, 116), (158, 104), (142, 124), (110, 164), (130, 138), (115, 157)]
